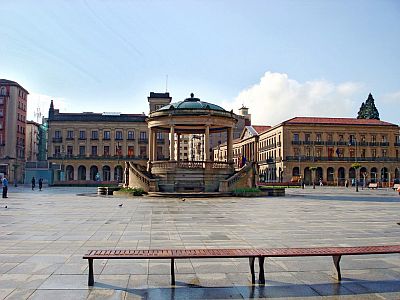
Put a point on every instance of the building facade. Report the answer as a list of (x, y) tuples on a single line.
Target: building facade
[(291, 150), (13, 106), (32, 141)]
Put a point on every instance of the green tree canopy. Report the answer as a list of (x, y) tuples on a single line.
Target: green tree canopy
[(368, 109)]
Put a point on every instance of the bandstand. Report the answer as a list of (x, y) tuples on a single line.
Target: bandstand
[(188, 118)]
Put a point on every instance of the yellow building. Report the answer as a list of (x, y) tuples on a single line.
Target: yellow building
[(95, 146), (291, 149)]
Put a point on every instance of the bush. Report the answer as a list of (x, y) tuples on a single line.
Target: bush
[(134, 191), (246, 192)]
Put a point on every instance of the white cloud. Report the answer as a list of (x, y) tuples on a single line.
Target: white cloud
[(277, 98), (392, 98), (42, 102)]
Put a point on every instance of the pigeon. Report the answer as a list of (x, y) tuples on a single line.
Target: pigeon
[(183, 199), (397, 223), (5, 206), (120, 205)]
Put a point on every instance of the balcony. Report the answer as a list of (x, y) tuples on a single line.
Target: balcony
[(397, 144), (57, 139), (342, 143), (106, 139), (160, 141), (70, 138), (81, 138), (319, 143), (143, 141), (118, 138), (94, 138), (344, 159), (384, 144), (374, 144), (330, 143), (296, 142)]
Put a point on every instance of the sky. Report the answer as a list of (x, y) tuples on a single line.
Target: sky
[(281, 59)]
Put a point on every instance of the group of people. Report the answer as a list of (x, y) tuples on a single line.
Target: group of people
[(34, 183)]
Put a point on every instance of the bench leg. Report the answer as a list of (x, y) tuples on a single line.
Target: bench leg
[(336, 263), (261, 277), (251, 263), (172, 271), (91, 276)]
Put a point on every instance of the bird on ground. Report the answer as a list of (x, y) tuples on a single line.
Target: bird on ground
[(183, 199), (5, 206), (120, 205)]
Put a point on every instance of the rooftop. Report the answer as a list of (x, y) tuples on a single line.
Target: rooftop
[(193, 104), (336, 121)]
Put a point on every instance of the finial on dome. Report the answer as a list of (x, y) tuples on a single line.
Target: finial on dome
[(191, 95)]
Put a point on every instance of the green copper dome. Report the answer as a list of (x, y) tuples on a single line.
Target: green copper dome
[(191, 103)]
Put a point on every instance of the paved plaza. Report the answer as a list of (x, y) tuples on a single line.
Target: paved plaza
[(43, 236)]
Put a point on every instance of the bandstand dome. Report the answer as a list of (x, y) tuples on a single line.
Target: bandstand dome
[(191, 103)]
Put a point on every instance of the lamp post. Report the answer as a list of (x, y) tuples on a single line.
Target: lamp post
[(62, 176), (356, 165)]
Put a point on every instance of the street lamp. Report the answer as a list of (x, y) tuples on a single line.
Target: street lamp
[(356, 165), (62, 163)]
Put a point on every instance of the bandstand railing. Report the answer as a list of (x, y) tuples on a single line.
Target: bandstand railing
[(191, 164)]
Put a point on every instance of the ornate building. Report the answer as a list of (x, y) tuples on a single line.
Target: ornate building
[(95, 146), (291, 149)]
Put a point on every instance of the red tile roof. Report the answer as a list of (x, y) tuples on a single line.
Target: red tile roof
[(337, 121), (260, 128)]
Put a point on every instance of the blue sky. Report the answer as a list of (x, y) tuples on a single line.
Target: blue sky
[(279, 58)]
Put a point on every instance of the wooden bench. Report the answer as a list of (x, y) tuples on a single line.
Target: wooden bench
[(373, 185), (251, 254)]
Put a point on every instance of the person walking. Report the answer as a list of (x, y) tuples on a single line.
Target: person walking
[(33, 183), (40, 184), (4, 182)]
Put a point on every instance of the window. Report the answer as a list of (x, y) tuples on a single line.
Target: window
[(296, 151), (57, 134), (307, 137), (319, 137), (295, 137), (106, 135), (131, 151), (131, 135), (340, 152), (143, 152), (384, 152), (362, 138), (57, 151), (330, 152), (318, 152), (341, 137), (308, 151), (352, 139), (160, 136), (82, 135), (373, 138), (384, 138), (94, 150), (373, 152), (118, 135), (70, 134), (363, 153), (143, 135), (95, 135), (70, 150), (106, 151), (82, 150)]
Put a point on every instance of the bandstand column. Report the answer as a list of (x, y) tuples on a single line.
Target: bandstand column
[(172, 143), (154, 145), (150, 144), (230, 144), (178, 150), (207, 143)]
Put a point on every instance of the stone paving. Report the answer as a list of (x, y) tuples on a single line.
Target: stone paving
[(43, 236)]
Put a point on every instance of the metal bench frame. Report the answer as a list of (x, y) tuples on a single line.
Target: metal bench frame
[(251, 254)]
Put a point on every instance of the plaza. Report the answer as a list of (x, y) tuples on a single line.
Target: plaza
[(43, 236)]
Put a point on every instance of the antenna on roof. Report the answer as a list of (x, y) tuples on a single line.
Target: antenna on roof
[(166, 83)]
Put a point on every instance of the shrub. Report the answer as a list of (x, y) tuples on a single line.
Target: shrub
[(246, 192), (134, 191)]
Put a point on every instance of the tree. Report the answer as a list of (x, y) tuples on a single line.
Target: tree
[(368, 109), (356, 166), (313, 170)]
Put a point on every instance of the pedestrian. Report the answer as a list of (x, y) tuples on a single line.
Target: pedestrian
[(346, 183), (40, 184), (320, 182), (4, 182), (33, 183)]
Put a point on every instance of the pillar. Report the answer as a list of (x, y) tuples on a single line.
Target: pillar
[(154, 145), (150, 144), (172, 143), (230, 145), (207, 144), (178, 150)]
